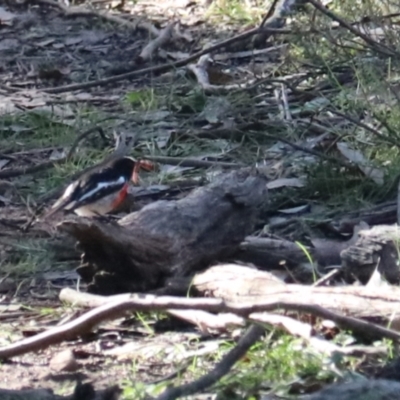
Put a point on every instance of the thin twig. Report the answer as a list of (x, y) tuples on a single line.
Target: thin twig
[(80, 11), (375, 45), (269, 13), (159, 68), (315, 153), (204, 320), (190, 162), (326, 277), (364, 126), (11, 173), (82, 136), (160, 40), (398, 204), (252, 335), (275, 18)]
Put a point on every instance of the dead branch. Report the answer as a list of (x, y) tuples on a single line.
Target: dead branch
[(81, 137), (360, 389), (155, 44), (268, 254), (367, 39), (374, 249), (252, 335), (279, 299), (191, 162), (275, 18), (169, 239), (248, 286), (306, 332), (200, 72), (81, 392), (362, 125), (205, 321), (381, 214), (77, 11), (158, 68), (13, 172)]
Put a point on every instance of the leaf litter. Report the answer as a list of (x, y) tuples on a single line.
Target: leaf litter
[(250, 91)]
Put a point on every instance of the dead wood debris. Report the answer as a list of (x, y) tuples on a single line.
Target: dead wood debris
[(273, 20), (323, 302), (269, 253), (81, 392), (11, 173), (78, 11), (236, 283), (208, 322), (158, 68), (374, 249), (361, 389), (368, 250), (164, 36), (205, 321), (378, 47), (193, 162), (169, 239), (200, 72)]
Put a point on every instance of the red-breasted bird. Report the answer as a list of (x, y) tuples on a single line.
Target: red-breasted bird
[(101, 190)]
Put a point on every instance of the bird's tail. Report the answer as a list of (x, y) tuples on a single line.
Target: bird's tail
[(57, 206)]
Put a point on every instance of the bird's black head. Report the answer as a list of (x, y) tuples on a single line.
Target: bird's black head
[(124, 166)]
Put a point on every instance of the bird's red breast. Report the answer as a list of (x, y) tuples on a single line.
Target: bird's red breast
[(102, 190), (121, 196)]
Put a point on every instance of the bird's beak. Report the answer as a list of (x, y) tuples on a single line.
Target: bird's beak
[(146, 165), (141, 165)]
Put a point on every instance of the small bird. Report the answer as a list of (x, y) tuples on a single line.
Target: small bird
[(101, 190)]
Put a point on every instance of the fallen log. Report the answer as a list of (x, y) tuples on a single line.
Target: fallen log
[(375, 249), (169, 239), (81, 392), (280, 254), (238, 284), (361, 389), (368, 250)]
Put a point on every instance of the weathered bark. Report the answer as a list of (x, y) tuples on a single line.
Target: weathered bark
[(380, 214), (269, 254), (245, 285), (361, 389), (368, 249), (81, 392), (375, 248), (169, 239)]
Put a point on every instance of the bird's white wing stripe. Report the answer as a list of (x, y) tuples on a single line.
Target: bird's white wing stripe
[(102, 185), (69, 190)]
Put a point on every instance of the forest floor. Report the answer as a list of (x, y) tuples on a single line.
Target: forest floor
[(314, 107)]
